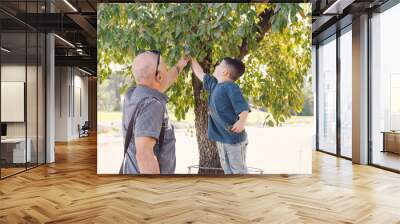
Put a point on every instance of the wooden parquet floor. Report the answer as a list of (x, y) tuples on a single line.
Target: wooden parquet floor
[(70, 191)]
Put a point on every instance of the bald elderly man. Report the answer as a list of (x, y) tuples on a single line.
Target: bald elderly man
[(148, 135)]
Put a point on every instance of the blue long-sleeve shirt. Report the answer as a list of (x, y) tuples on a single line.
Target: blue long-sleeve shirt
[(226, 100)]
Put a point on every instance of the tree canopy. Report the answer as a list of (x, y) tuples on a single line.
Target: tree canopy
[(274, 41)]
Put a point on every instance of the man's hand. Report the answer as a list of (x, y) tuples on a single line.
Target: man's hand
[(183, 62), (173, 73)]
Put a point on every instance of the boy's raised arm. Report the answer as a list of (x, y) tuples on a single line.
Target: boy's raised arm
[(197, 69)]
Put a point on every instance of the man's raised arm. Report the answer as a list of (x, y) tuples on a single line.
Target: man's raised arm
[(176, 69), (197, 69)]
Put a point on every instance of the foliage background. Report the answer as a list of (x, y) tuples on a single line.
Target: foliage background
[(277, 63)]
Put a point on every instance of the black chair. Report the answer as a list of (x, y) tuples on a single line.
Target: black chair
[(84, 130)]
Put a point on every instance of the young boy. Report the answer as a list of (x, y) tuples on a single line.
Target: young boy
[(228, 112)]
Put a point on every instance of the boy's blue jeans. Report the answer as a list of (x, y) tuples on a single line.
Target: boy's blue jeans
[(233, 157)]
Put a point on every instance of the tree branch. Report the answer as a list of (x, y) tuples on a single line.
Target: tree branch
[(262, 27)]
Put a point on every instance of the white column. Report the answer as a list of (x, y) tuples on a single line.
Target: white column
[(50, 109), (50, 92)]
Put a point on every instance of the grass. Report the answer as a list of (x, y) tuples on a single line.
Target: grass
[(109, 116)]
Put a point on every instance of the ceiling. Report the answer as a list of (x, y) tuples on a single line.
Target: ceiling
[(331, 15), (73, 21)]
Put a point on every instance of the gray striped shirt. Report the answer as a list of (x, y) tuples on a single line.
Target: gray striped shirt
[(148, 119)]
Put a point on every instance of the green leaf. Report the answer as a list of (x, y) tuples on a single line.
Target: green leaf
[(276, 65)]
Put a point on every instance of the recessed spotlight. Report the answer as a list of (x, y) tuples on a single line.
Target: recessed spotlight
[(64, 40), (338, 6), (84, 71), (70, 5), (5, 50)]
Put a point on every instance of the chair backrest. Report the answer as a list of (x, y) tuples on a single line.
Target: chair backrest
[(86, 124)]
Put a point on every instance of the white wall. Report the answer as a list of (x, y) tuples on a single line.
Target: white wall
[(70, 83), (80, 89), (62, 81), (12, 73), (12, 101)]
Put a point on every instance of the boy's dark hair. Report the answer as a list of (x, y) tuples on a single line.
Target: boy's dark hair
[(236, 67)]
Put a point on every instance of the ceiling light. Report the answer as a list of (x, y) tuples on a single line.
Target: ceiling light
[(84, 71), (338, 6), (79, 51), (70, 5), (65, 41), (5, 50)]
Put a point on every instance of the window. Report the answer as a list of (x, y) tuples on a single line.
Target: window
[(385, 89), (327, 96), (346, 92), (395, 102), (23, 77)]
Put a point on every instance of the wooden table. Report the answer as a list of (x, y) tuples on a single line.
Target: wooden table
[(391, 141)]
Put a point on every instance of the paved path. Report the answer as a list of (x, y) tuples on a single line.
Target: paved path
[(285, 149)]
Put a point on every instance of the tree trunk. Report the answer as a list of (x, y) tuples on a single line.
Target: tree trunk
[(208, 154)]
